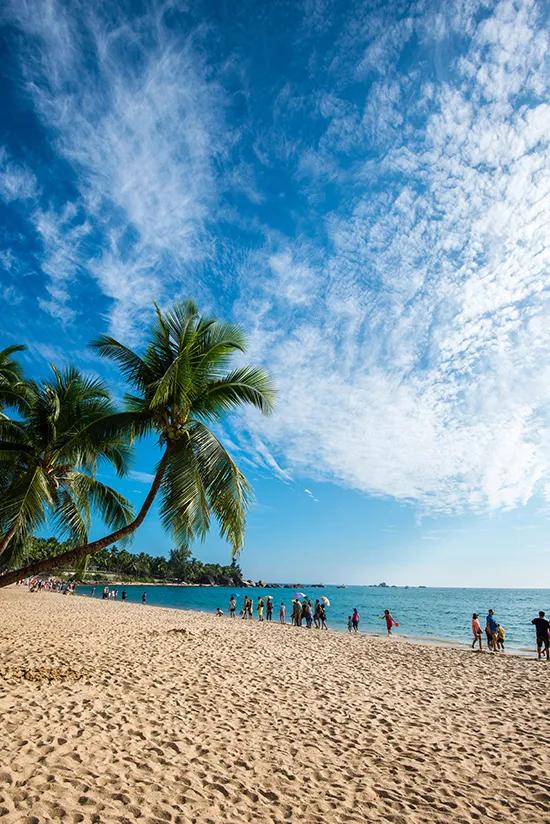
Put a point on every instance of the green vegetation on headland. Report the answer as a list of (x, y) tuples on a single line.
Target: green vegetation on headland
[(55, 433)]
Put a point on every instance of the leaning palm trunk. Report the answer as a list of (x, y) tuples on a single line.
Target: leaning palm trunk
[(5, 540), (72, 556)]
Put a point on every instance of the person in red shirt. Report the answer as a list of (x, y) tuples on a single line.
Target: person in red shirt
[(476, 630), (390, 621)]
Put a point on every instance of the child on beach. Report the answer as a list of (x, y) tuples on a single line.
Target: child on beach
[(500, 636), (491, 628), (282, 614), (390, 621), (219, 613), (355, 620), (476, 630), (350, 623)]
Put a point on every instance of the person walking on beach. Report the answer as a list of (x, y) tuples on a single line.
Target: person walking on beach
[(491, 628), (350, 624), (105, 593), (355, 620), (542, 626), (92, 593), (144, 598), (476, 630), (323, 617), (123, 596), (232, 606), (296, 611), (282, 614), (316, 614), (269, 608), (390, 621), (260, 608)]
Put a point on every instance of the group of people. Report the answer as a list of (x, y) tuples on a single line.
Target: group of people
[(496, 634), (109, 594), (112, 594), (303, 612), (51, 585), (354, 618)]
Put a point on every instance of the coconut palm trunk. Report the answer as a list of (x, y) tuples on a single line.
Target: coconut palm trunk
[(79, 552), (5, 540)]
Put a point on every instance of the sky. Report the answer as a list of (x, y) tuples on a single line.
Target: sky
[(364, 187)]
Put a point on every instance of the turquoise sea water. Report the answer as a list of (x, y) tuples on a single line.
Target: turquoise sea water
[(432, 614)]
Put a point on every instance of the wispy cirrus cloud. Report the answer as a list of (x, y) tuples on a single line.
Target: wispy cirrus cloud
[(137, 115), (142, 477), (420, 370), (16, 181), (392, 267)]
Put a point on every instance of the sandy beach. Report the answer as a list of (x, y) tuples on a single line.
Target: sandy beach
[(115, 712)]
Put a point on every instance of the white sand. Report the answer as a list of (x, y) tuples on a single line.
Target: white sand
[(123, 720)]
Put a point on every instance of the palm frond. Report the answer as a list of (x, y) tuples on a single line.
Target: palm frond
[(113, 507), (71, 515), (23, 504), (227, 489), (134, 369), (246, 385)]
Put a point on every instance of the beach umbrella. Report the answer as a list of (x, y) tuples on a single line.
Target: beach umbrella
[(325, 600), (299, 595)]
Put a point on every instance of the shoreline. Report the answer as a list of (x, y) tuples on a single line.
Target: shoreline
[(436, 641)]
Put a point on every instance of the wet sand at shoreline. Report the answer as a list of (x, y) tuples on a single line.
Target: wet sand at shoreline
[(116, 712)]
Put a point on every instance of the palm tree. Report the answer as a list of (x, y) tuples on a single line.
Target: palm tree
[(181, 386), (50, 466), (13, 389)]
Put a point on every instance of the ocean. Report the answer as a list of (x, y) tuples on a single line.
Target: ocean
[(430, 614)]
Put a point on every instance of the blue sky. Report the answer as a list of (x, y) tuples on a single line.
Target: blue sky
[(365, 188)]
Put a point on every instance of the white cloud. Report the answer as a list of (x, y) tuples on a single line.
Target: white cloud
[(16, 181), (142, 129), (63, 236), (406, 315), (142, 477), (421, 369), (293, 280)]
